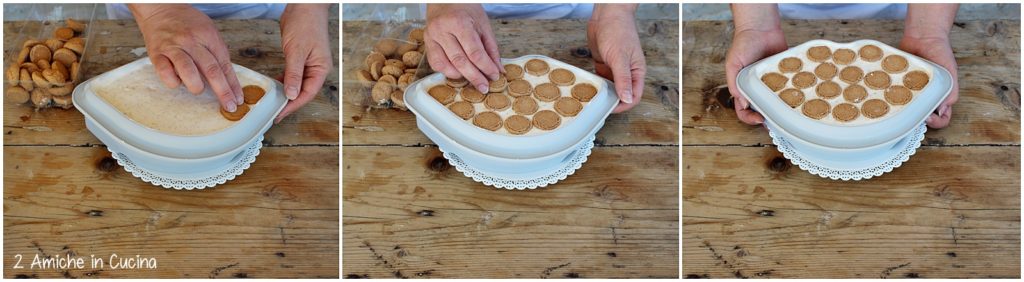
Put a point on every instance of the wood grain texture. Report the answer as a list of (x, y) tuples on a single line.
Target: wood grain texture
[(64, 194), (987, 52), (408, 213), (279, 219), (654, 121), (948, 212), (255, 44), (951, 211)]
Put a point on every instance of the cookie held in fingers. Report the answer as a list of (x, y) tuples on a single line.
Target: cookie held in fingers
[(239, 113), (487, 120), (583, 92), (518, 124), (537, 67), (874, 108), (546, 120), (547, 92), (562, 77), (456, 82), (252, 94), (497, 85), (568, 106)]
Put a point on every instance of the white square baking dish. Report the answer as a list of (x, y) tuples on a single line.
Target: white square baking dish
[(832, 149), (169, 153), (881, 132), (506, 156)]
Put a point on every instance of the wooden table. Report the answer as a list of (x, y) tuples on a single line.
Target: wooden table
[(64, 194), (408, 213), (953, 210)]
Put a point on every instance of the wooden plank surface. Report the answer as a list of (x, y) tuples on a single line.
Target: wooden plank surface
[(255, 44), (408, 214), (654, 121), (63, 194), (988, 54), (279, 219), (952, 210)]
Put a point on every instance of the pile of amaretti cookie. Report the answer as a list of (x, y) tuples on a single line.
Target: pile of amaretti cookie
[(870, 81), (46, 72), (513, 102), (391, 67)]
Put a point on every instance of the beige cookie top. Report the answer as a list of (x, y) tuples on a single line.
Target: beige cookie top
[(528, 96)]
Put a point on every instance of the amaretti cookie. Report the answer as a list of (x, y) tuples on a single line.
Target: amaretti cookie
[(791, 64), (584, 92), (520, 87), (547, 92), (915, 80), (525, 105), (874, 108), (845, 112), (792, 97), (568, 106), (562, 77), (487, 120), (497, 101), (513, 71), (828, 89), (815, 108), (844, 56), (442, 93), (462, 109), (537, 67), (518, 124), (546, 120), (774, 81), (819, 53), (472, 95), (870, 53), (898, 95)]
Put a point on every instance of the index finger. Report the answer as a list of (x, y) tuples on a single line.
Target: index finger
[(481, 58), (214, 74)]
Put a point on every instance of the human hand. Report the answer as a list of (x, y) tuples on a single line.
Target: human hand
[(460, 43), (185, 48), (757, 35), (307, 54), (926, 35), (612, 36)]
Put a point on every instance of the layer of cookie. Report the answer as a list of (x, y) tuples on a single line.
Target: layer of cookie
[(893, 76), (534, 81)]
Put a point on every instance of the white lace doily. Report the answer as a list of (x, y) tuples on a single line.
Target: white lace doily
[(888, 165), (575, 161), (238, 165)]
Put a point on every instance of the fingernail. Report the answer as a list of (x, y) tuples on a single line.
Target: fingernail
[(483, 88), (947, 110), (232, 107), (628, 97), (292, 92)]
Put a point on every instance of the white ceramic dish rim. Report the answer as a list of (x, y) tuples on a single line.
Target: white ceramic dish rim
[(175, 147), (505, 147), (879, 133)]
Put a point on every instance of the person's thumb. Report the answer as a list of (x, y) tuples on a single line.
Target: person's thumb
[(622, 77), (294, 65)]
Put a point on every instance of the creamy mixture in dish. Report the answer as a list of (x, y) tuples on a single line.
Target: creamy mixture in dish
[(144, 99)]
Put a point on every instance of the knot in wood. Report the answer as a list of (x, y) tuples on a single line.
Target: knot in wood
[(107, 164), (779, 164), (438, 164), (251, 52), (581, 52)]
